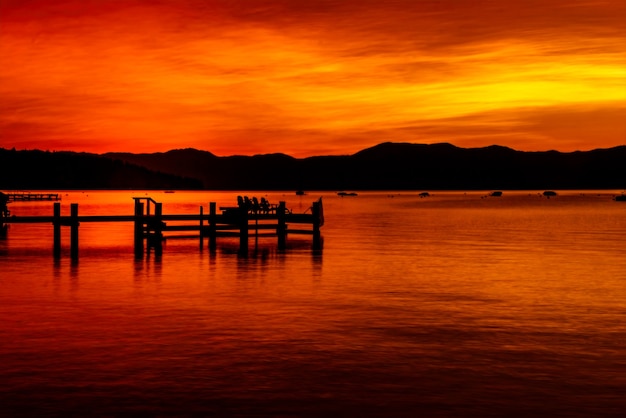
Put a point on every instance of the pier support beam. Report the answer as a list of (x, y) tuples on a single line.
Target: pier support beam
[(243, 228), (317, 216), (201, 235), (4, 210), (281, 230), (138, 229), (74, 231), (56, 223), (155, 232), (212, 226)]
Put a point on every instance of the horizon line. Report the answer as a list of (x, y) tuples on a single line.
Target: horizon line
[(312, 156)]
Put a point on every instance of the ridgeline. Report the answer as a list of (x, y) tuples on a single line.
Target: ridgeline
[(387, 166), (43, 170)]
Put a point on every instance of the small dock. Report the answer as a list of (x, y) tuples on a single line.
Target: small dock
[(28, 197), (152, 227)]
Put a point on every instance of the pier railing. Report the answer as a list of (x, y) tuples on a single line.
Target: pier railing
[(152, 226)]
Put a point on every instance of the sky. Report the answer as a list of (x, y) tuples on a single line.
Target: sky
[(315, 77)]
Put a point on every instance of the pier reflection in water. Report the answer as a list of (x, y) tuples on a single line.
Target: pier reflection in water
[(450, 305)]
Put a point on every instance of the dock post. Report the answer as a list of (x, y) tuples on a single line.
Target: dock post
[(138, 229), (201, 228), (56, 252), (74, 231), (243, 228), (281, 230), (4, 210), (316, 211), (157, 237), (212, 226)]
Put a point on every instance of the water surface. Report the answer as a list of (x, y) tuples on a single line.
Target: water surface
[(453, 305)]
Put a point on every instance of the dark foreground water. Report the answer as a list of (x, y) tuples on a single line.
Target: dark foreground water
[(455, 305)]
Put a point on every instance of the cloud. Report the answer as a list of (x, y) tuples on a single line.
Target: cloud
[(307, 76)]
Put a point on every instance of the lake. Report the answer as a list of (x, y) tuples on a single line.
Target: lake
[(454, 305)]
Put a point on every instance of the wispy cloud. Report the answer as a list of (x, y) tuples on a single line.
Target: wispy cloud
[(310, 77)]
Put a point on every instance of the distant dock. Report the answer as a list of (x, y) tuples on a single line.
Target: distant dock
[(27, 197), (152, 226)]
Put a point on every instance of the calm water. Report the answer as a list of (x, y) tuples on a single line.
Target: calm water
[(446, 306)]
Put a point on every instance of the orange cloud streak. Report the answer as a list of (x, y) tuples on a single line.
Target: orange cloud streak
[(304, 79)]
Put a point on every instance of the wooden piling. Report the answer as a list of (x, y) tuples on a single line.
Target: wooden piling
[(243, 228), (212, 226), (281, 229), (138, 229), (316, 210), (56, 222), (74, 231), (4, 210), (157, 232), (201, 235)]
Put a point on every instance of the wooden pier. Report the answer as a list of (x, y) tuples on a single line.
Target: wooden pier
[(152, 226), (27, 197)]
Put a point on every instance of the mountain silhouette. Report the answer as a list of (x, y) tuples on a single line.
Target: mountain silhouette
[(46, 170), (398, 166), (386, 166)]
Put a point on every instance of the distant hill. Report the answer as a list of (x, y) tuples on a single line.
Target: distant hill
[(387, 166), (43, 170), (397, 166), (270, 171)]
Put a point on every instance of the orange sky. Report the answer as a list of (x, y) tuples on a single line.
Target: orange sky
[(311, 77)]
